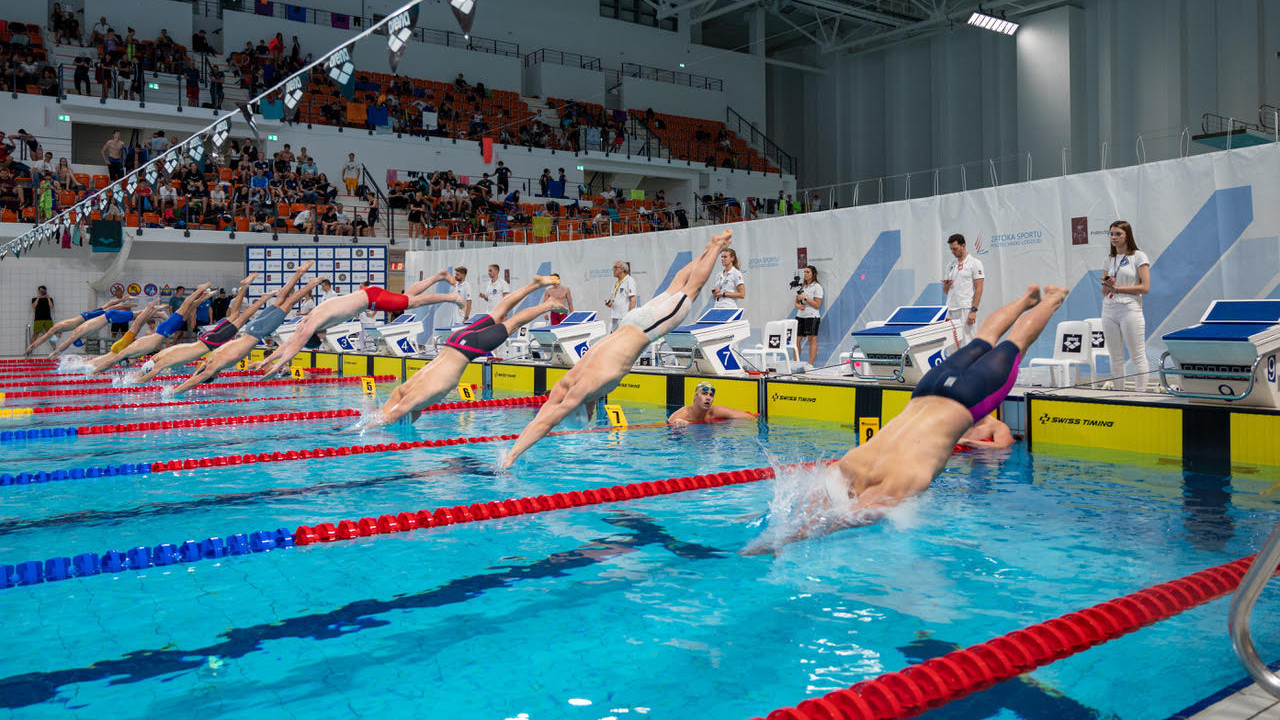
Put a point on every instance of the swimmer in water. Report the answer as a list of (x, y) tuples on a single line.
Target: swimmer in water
[(609, 360), (341, 309), (476, 340), (256, 327), (130, 346), (73, 322), (118, 314), (221, 335), (903, 458), (702, 409)]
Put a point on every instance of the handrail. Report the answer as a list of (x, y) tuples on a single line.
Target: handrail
[(647, 72), (1242, 603), (1208, 375), (560, 57), (772, 151), (372, 183)]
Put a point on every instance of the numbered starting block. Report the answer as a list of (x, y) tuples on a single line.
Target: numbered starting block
[(710, 341), (1230, 357), (913, 339), (343, 337), (400, 336), (571, 338)]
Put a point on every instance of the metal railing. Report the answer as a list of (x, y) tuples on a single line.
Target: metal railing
[(675, 77), (379, 200), (736, 123), (1251, 586), (559, 57)]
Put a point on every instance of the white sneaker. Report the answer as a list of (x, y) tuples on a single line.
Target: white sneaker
[(1108, 385)]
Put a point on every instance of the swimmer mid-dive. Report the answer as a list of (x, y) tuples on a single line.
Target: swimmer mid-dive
[(222, 334), (478, 339), (903, 458), (119, 314), (702, 408), (609, 360), (257, 324), (131, 346), (341, 309), (73, 322)]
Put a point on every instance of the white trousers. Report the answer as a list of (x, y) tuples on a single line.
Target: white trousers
[(1124, 326), (960, 316)]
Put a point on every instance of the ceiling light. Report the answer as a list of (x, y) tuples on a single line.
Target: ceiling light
[(992, 23)]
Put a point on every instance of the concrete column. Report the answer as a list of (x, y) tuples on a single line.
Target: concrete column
[(1051, 71)]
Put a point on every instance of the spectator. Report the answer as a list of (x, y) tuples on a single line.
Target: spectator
[(503, 174), (200, 44), (219, 305), (304, 222), (113, 156), (82, 66), (42, 308), (217, 81), (192, 75), (808, 301), (682, 217), (351, 174), (623, 299), (99, 32)]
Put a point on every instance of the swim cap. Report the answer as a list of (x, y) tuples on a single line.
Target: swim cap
[(704, 384)]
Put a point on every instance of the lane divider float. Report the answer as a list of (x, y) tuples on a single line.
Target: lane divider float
[(209, 386), (41, 410), (61, 568)]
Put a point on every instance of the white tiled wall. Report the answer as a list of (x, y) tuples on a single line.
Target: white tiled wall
[(68, 275)]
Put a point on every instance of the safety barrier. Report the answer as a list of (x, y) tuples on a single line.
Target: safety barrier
[(938, 681), (61, 568), (216, 386)]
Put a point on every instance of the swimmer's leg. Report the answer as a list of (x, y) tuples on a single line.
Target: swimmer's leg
[(700, 269), (508, 303), (1028, 327)]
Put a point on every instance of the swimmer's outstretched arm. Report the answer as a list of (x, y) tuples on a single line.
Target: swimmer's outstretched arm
[(171, 356), (90, 326), (552, 413)]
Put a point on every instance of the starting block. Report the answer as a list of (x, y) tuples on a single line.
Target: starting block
[(1229, 357), (400, 336), (710, 341), (343, 337), (914, 339), (571, 339)]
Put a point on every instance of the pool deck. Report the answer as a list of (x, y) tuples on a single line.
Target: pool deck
[(1251, 703)]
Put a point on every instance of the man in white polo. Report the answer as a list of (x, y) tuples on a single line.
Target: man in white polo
[(623, 298), (963, 286)]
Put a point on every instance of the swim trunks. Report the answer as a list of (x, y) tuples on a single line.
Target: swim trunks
[(171, 325), (124, 341), (660, 315), (119, 316), (385, 300), (976, 376), (221, 334), (557, 318), (478, 339), (265, 321), (313, 342), (92, 314)]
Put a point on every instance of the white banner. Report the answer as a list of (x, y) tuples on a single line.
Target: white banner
[(1209, 224)]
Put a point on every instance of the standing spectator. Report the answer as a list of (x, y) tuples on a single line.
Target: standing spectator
[(217, 81), (82, 66), (544, 182), (42, 306), (99, 32), (558, 293), (682, 217), (351, 173), (220, 304), (497, 287), (175, 301), (327, 291), (730, 286), (113, 156), (454, 315), (192, 74), (623, 299), (1126, 277), (503, 174), (963, 286), (808, 302)]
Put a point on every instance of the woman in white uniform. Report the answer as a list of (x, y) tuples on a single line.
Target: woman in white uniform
[(730, 286), (1126, 277)]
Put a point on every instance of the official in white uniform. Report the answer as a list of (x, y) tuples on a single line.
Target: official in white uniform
[(623, 298), (495, 290), (730, 287), (1126, 277), (452, 314), (963, 286)]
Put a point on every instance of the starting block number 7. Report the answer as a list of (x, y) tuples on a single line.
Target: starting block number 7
[(616, 417)]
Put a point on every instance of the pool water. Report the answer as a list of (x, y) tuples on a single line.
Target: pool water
[(632, 609)]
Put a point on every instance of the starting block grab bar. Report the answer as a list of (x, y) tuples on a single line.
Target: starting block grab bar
[(1229, 395), (898, 372)]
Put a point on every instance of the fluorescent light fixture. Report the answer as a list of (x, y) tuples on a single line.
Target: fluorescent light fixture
[(992, 23)]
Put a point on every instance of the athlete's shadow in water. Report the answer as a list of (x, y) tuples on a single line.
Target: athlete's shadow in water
[(1206, 500), (1029, 699)]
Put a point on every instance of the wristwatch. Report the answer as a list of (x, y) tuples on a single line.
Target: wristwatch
[(973, 309)]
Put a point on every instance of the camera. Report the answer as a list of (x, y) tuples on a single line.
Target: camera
[(795, 282)]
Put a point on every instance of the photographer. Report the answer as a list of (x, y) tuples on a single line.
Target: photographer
[(808, 300)]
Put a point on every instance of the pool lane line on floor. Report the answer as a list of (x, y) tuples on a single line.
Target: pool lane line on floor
[(958, 674), (146, 468), (34, 572), (208, 386)]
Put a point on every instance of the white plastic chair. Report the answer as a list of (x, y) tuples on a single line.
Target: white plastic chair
[(779, 342), (518, 345), (1072, 345)]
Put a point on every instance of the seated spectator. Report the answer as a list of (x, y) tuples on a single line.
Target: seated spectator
[(359, 227), (167, 194), (259, 223), (338, 223), (307, 165), (304, 221), (200, 44)]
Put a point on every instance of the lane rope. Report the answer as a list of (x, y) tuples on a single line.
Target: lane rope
[(208, 386)]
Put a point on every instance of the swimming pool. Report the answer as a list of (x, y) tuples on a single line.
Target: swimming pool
[(641, 608)]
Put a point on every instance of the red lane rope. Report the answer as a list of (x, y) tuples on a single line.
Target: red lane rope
[(957, 674), (175, 403), (410, 520), (284, 417), (216, 386)]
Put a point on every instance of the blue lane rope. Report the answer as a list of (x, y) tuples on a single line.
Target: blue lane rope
[(34, 572), (25, 478)]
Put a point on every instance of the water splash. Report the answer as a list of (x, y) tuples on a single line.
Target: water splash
[(808, 502), (74, 364)]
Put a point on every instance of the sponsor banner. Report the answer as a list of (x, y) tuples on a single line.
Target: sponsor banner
[(474, 375), (510, 378), (738, 394), (1129, 428), (413, 366), (355, 365), (828, 403), (327, 361), (386, 366), (641, 388), (891, 404), (1253, 439)]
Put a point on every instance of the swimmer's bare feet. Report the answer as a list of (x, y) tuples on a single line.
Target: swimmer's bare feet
[(557, 307), (545, 280), (456, 299), (723, 239), (1056, 293), (1032, 296), (251, 276), (442, 275)]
